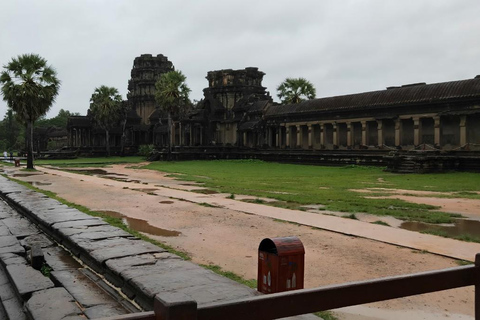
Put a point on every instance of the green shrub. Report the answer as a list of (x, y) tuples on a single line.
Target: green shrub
[(145, 150)]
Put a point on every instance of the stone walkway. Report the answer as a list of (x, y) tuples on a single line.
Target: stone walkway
[(139, 269)]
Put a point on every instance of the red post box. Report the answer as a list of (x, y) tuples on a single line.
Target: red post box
[(280, 264)]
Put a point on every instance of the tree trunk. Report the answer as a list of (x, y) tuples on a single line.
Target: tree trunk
[(29, 144), (122, 141), (169, 125), (107, 142)]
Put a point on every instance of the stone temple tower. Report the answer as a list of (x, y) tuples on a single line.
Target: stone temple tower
[(146, 70)]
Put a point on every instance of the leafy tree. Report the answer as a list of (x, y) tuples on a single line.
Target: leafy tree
[(295, 90), (10, 132), (105, 107), (29, 86), (60, 120), (172, 97), (124, 109)]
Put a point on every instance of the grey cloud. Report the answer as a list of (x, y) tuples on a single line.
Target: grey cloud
[(341, 46)]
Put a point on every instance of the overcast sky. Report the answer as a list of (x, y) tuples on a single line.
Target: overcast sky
[(341, 46)]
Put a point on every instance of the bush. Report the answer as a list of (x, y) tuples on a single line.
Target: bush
[(145, 150)]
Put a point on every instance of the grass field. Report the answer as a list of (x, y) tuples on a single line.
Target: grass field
[(329, 186)]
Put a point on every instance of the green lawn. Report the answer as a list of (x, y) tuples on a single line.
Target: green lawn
[(85, 162), (329, 186)]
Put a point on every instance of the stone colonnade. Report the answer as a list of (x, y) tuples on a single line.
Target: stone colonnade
[(405, 131)]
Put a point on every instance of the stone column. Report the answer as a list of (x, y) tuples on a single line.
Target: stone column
[(364, 133), (310, 145), (349, 134), (245, 138), (335, 135), (381, 141), (299, 136), (180, 134), (269, 136), (287, 136), (398, 132), (191, 135), (416, 131), (436, 131), (277, 137), (201, 135), (463, 130), (322, 135)]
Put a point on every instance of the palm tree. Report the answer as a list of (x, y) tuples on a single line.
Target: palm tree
[(29, 86), (295, 90), (172, 96), (105, 107)]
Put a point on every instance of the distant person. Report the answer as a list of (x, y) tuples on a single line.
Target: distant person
[(11, 155), (5, 155)]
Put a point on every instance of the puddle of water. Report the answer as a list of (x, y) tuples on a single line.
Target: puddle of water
[(460, 227), (37, 183), (96, 172), (142, 225), (25, 174), (166, 202), (89, 171)]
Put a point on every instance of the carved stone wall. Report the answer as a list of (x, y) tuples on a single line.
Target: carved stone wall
[(229, 86), (146, 70)]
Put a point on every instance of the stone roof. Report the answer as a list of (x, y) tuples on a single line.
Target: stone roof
[(393, 96), (249, 125), (79, 121)]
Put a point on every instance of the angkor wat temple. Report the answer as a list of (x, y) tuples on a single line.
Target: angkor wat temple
[(438, 123)]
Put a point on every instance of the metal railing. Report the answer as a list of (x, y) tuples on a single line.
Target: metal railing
[(279, 305)]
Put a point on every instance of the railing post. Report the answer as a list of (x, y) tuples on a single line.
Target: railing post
[(477, 287), (174, 306)]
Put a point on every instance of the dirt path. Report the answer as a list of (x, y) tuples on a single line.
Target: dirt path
[(230, 239)]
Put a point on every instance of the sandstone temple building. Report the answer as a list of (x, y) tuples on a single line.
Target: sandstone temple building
[(237, 114)]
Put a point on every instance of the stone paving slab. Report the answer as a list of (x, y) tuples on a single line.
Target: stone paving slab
[(4, 231), (61, 215), (134, 247), (20, 227), (103, 311), (80, 223), (36, 239), (14, 309), (54, 303), (86, 292), (59, 260), (120, 264), (11, 258), (27, 280), (69, 231), (3, 313), (95, 233), (6, 290), (10, 244)]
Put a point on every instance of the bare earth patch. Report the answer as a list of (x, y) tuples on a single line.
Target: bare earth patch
[(230, 239)]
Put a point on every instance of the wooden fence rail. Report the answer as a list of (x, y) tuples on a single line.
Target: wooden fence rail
[(291, 303)]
